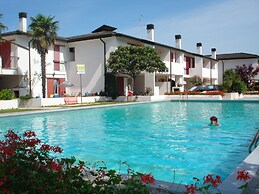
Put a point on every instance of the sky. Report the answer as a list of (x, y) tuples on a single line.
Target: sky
[(230, 26)]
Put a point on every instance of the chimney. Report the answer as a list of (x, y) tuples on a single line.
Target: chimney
[(23, 21), (150, 32), (213, 53), (199, 48), (178, 41)]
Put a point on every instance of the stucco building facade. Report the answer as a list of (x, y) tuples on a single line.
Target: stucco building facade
[(20, 68)]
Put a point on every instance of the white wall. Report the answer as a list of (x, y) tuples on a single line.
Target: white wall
[(8, 104), (89, 53)]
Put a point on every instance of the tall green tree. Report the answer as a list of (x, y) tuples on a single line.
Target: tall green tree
[(44, 33), (2, 27), (232, 82), (132, 60)]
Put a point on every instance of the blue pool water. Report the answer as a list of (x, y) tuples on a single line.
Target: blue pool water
[(168, 139)]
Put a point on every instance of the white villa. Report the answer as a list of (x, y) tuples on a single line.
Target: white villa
[(20, 64), (231, 60)]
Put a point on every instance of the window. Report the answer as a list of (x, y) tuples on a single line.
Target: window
[(57, 57), (171, 56), (192, 63), (72, 53)]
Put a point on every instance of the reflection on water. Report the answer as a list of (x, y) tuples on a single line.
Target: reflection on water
[(167, 138)]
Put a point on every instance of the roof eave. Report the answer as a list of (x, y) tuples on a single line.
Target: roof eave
[(163, 45)]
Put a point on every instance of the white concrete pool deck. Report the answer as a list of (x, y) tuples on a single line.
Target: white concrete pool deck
[(229, 186)]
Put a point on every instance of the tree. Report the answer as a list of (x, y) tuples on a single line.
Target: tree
[(232, 82), (246, 73), (2, 27), (196, 80), (44, 33), (132, 60)]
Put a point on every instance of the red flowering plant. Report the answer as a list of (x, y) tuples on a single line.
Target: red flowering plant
[(27, 166), (214, 181), (204, 187), (243, 175), (190, 189)]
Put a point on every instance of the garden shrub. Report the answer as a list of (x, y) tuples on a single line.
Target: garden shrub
[(6, 94), (111, 85), (26, 97)]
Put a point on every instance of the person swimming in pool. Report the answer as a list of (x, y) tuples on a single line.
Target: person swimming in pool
[(214, 121)]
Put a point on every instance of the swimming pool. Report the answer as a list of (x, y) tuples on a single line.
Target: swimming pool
[(165, 138)]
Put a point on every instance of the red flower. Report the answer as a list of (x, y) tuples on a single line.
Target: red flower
[(45, 147), (6, 191), (56, 167), (147, 178), (12, 136), (13, 171), (31, 142), (190, 189), (29, 134), (8, 151), (214, 182), (3, 180), (243, 175), (56, 149)]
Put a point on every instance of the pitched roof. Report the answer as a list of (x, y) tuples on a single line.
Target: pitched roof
[(96, 35), (231, 56), (106, 31), (104, 28)]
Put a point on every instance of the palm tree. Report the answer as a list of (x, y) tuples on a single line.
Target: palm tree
[(44, 33), (2, 27)]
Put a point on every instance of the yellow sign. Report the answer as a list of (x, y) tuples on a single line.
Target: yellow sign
[(80, 68)]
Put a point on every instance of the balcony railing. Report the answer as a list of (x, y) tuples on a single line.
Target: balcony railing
[(11, 63)]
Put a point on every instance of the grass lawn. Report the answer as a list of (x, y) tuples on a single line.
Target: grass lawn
[(60, 106)]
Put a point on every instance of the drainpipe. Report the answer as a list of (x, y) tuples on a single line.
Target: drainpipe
[(223, 70), (170, 71), (29, 45), (104, 62)]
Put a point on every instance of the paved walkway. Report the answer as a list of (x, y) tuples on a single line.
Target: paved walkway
[(253, 186)]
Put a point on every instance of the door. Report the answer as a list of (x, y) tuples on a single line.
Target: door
[(120, 86), (5, 53), (187, 65), (54, 88)]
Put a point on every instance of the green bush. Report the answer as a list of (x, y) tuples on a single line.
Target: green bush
[(241, 87), (6, 94), (232, 82), (26, 97), (111, 85)]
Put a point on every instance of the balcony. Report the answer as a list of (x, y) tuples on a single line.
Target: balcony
[(9, 66)]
